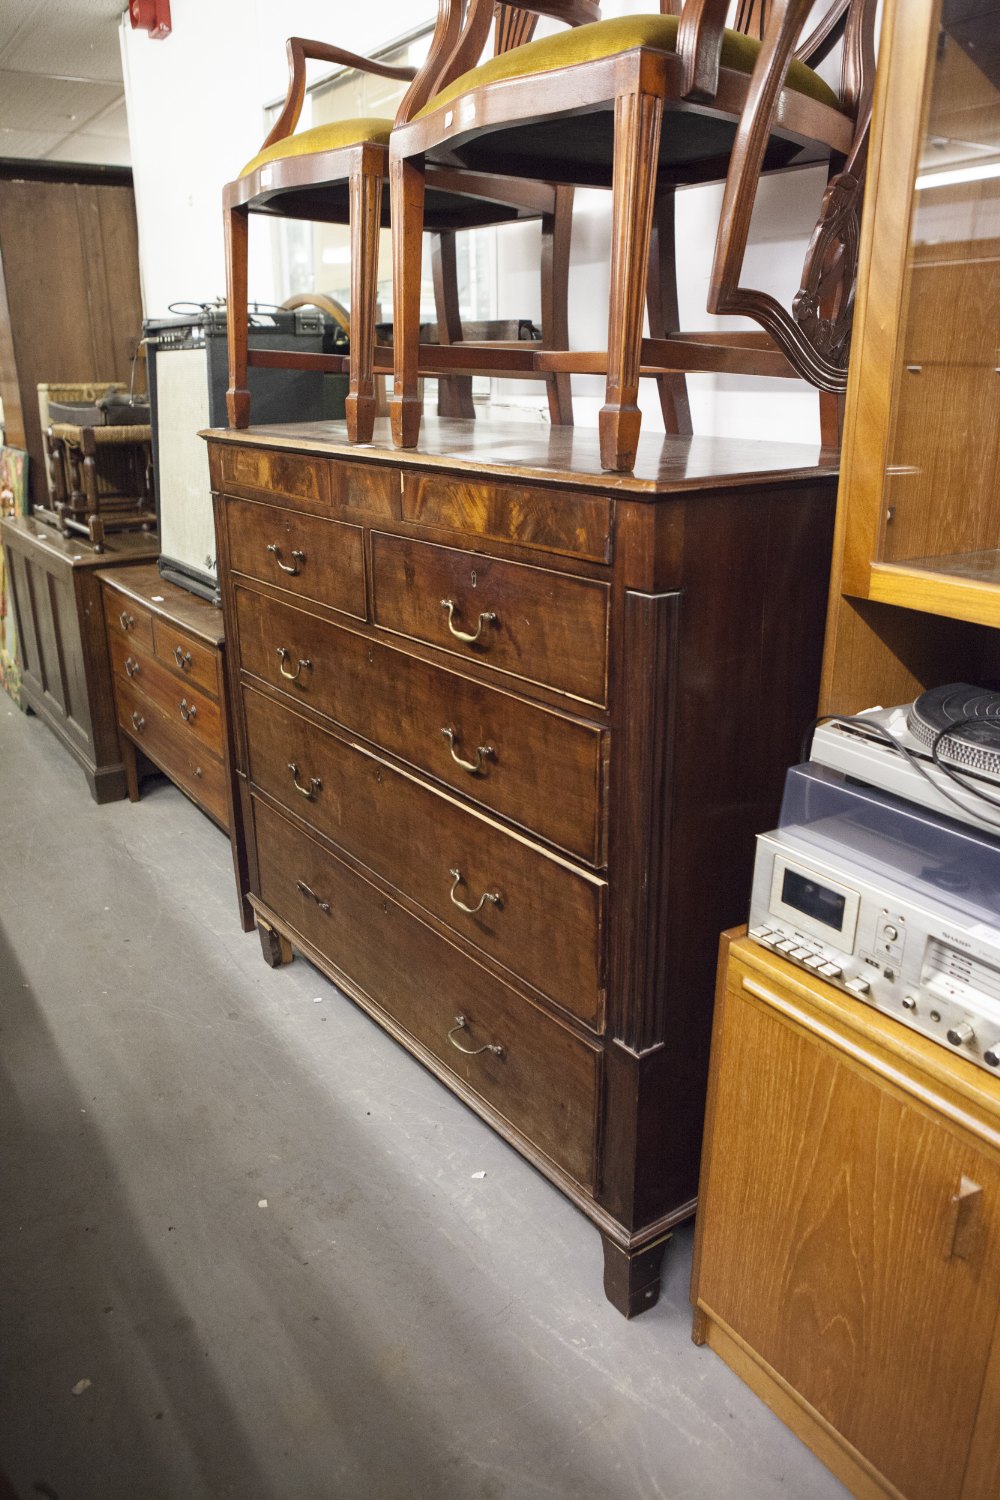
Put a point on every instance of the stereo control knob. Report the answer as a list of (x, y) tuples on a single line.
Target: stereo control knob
[(992, 1055), (890, 932), (961, 1035), (909, 1003)]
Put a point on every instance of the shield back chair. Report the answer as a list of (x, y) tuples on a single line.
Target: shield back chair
[(335, 173), (656, 102)]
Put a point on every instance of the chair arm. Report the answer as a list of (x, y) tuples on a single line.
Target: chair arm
[(699, 46), (299, 49)]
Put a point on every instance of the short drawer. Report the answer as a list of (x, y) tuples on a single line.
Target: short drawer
[(291, 476), (528, 1068), (175, 752), (192, 660), (540, 768), (552, 520), (193, 712), (537, 624), (316, 559), (127, 620), (531, 911)]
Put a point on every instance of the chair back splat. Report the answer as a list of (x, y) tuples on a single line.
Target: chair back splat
[(646, 104)]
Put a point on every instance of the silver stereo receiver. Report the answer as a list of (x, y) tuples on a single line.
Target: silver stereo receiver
[(896, 905)]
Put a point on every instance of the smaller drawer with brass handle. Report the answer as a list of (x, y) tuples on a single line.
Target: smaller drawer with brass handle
[(157, 687), (308, 555), (125, 618), (189, 658), (534, 623), (534, 1072), (188, 763)]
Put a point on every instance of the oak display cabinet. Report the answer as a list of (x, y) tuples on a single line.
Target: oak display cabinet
[(916, 584)]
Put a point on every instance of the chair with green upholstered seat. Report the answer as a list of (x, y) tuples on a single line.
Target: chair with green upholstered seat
[(335, 173), (645, 104)]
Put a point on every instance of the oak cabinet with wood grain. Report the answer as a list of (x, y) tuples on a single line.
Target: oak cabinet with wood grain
[(847, 1262), (505, 729)]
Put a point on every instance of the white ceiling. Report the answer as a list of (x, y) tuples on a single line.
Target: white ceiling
[(61, 91)]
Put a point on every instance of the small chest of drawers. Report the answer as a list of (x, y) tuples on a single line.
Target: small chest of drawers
[(505, 728), (167, 665)]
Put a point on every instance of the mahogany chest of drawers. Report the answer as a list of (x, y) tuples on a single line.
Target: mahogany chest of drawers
[(505, 727)]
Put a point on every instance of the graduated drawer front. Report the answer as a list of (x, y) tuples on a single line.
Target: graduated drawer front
[(550, 519), (285, 474), (545, 1084), (544, 770), (193, 712), (191, 659), (314, 558), (127, 621), (546, 926), (532, 622), (175, 751)]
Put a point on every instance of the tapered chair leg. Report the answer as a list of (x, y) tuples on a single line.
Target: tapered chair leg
[(406, 184), (637, 144), (236, 226), (365, 188), (454, 391), (663, 311), (557, 231)]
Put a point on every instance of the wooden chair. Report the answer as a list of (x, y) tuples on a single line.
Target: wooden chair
[(335, 174), (646, 104)]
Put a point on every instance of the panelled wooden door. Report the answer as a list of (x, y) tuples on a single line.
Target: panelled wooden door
[(852, 1240)]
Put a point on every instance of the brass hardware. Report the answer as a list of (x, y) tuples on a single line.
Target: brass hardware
[(125, 620), (294, 568), (132, 668), (198, 771), (309, 791), (461, 1024), (492, 896), (323, 905), (488, 617), (183, 659), (303, 661), (474, 767), (188, 710), (138, 722)]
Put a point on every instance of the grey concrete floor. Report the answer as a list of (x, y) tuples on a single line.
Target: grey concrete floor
[(263, 1235)]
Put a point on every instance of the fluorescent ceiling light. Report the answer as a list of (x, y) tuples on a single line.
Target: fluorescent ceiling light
[(951, 177)]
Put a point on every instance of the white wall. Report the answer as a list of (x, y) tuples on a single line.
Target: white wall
[(195, 107)]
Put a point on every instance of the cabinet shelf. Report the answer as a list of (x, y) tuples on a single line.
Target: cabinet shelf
[(960, 586)]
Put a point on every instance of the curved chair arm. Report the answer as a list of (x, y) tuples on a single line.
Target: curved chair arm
[(699, 46), (334, 309), (300, 49)]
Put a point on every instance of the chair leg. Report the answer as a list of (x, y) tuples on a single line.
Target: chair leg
[(637, 144), (406, 183), (663, 311), (454, 391), (557, 231), (236, 225), (365, 210)]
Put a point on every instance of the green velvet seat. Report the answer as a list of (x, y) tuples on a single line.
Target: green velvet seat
[(331, 137)]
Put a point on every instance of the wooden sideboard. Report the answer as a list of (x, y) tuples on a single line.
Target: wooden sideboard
[(505, 729), (847, 1260), (65, 676)]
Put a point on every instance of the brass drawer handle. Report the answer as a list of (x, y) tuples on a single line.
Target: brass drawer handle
[(183, 659), (492, 896), (138, 722), (132, 667), (474, 767), (300, 885), (303, 661), (126, 621), (315, 785), (488, 617), (461, 1024), (188, 710), (295, 568)]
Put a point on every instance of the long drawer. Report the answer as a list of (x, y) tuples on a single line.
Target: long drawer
[(534, 766), (307, 555), (527, 1067), (535, 623), (180, 702), (175, 750), (533, 912)]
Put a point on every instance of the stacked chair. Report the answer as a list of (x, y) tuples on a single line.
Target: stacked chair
[(638, 104)]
